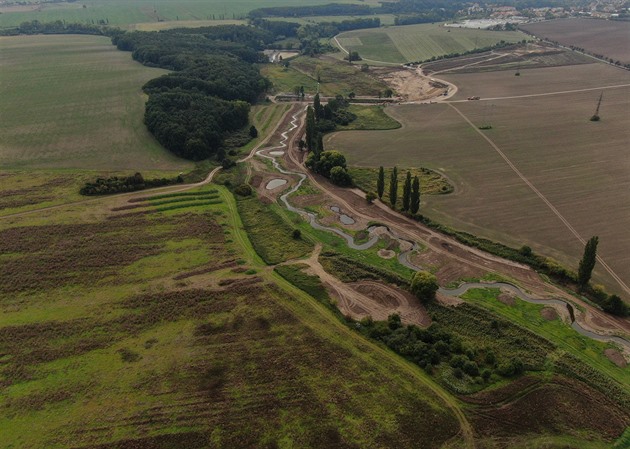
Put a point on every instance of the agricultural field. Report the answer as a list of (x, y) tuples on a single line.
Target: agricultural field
[(579, 166), (338, 78), (604, 37), (125, 12), (76, 102), (122, 340), (419, 42)]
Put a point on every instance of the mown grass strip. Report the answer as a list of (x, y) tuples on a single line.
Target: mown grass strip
[(181, 206), (172, 195), (181, 200)]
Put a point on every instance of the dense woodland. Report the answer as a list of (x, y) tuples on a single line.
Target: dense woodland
[(193, 110)]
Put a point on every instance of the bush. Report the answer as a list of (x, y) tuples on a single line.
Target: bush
[(340, 177), (370, 197), (471, 368), (424, 285), (243, 190), (297, 234)]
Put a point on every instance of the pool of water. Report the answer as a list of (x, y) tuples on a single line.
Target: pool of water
[(275, 183)]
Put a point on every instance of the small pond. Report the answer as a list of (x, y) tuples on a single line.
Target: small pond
[(275, 183), (345, 219)]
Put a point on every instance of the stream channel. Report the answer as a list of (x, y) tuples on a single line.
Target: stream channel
[(403, 257)]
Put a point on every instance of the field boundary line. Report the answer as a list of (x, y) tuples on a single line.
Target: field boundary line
[(618, 86), (541, 196)]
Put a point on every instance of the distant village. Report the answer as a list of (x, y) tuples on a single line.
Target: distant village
[(602, 9)]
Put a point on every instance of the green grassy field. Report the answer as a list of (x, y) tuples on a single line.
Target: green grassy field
[(76, 102), (553, 146), (370, 117), (419, 42), (124, 12)]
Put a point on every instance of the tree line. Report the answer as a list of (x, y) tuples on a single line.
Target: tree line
[(119, 184), (59, 27)]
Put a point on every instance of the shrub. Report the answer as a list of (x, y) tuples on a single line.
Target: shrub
[(424, 285), (370, 197), (243, 190)]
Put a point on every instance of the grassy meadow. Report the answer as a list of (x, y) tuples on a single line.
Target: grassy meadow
[(76, 102), (419, 42), (580, 166)]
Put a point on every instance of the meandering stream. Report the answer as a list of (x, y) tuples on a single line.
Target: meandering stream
[(403, 257)]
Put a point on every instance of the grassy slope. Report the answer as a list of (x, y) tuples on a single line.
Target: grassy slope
[(419, 42), (76, 102), (81, 349), (123, 12)]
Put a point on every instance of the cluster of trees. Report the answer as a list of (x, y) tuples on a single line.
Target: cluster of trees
[(430, 347), (116, 184), (193, 125), (332, 165), (319, 119), (410, 194), (191, 112)]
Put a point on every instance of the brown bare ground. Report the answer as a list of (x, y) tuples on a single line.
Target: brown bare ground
[(549, 314), (407, 84), (616, 357), (604, 37), (552, 144), (557, 406), (506, 299)]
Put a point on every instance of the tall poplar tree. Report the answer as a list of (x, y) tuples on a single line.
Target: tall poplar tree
[(393, 187), (380, 183), (310, 129), (415, 195), (406, 198), (319, 147), (588, 262), (317, 106)]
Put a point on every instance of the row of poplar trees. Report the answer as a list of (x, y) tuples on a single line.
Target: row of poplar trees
[(410, 194)]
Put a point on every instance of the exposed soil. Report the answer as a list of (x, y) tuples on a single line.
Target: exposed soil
[(506, 299), (408, 84), (368, 298), (549, 314), (616, 357), (395, 300), (386, 253)]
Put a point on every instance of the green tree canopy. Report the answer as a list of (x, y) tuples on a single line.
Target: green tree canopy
[(587, 263), (424, 285)]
